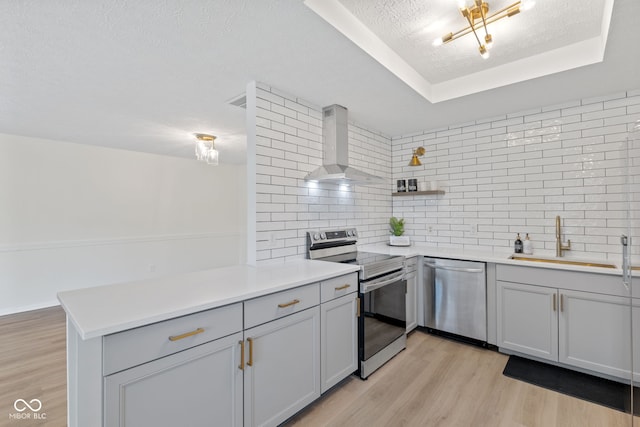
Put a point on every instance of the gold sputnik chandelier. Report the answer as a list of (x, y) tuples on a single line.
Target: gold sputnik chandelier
[(477, 15)]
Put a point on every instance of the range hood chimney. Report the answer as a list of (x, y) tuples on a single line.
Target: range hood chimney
[(335, 167)]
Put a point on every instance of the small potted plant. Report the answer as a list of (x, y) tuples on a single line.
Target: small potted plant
[(397, 231)]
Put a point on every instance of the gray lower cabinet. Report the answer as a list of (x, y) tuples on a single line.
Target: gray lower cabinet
[(338, 340), (594, 332), (282, 370), (175, 372), (527, 322), (411, 266), (201, 386), (587, 330)]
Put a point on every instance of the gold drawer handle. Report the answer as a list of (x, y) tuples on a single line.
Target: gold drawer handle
[(250, 362), (288, 304), (188, 334), (343, 287)]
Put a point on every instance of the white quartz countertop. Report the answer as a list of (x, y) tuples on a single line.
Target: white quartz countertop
[(488, 256), (113, 308)]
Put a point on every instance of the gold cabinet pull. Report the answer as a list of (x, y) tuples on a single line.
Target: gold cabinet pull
[(241, 366), (343, 287), (358, 307), (561, 303), (554, 302), (250, 362), (288, 304), (185, 335)]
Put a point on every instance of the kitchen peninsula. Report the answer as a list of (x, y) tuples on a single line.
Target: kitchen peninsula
[(126, 337)]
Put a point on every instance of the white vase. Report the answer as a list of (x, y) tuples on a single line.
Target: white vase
[(399, 241)]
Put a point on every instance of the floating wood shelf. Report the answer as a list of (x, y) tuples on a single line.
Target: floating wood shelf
[(419, 193)]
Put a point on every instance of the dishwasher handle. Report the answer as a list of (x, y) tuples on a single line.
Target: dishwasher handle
[(459, 269)]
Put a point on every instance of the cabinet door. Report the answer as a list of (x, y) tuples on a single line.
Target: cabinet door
[(412, 300), (201, 386), (338, 340), (594, 332), (282, 374), (527, 319)]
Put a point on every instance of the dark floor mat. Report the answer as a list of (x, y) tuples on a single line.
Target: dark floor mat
[(583, 386)]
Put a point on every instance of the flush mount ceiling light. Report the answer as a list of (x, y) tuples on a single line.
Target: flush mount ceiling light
[(478, 18), (205, 148), (418, 152)]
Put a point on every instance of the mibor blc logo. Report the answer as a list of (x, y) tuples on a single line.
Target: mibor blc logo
[(27, 410)]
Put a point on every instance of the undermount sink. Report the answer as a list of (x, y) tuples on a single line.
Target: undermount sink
[(562, 261)]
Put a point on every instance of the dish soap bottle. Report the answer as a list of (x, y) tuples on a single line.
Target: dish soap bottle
[(527, 247), (518, 245)]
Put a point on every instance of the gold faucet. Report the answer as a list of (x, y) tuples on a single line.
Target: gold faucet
[(559, 246)]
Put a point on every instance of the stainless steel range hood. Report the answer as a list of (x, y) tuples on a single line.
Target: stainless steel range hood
[(335, 167)]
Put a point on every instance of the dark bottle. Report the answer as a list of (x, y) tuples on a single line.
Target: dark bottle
[(518, 245)]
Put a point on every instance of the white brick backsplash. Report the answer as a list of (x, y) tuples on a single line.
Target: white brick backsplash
[(516, 172), (507, 174), (289, 145)]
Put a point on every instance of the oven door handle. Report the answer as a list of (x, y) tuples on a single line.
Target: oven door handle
[(375, 284)]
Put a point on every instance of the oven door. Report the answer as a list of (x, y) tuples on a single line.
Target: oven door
[(383, 316)]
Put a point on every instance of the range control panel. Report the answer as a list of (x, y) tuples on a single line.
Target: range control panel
[(331, 237)]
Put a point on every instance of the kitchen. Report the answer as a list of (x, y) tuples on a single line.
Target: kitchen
[(284, 205)]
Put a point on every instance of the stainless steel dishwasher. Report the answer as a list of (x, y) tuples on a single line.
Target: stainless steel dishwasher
[(455, 297)]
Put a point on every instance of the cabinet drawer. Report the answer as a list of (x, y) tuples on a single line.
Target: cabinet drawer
[(269, 307), (133, 347), (338, 286)]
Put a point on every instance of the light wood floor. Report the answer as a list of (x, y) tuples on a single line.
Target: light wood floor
[(434, 382), (439, 382), (33, 365)]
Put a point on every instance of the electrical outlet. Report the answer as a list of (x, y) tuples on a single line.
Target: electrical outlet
[(430, 229), (473, 229)]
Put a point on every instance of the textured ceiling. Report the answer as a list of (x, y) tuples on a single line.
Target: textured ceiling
[(409, 28), (143, 75), (554, 37)]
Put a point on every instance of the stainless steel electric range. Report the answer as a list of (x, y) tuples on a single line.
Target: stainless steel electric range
[(382, 291)]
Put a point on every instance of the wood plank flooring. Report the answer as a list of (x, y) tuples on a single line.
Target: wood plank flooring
[(434, 382), (33, 365), (439, 382)]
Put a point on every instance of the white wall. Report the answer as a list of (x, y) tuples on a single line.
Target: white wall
[(516, 172), (74, 216), (288, 139)]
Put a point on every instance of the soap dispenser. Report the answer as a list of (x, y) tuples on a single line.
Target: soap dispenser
[(527, 247), (518, 245)]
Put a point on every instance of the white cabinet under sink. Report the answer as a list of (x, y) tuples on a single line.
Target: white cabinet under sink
[(584, 329), (527, 322)]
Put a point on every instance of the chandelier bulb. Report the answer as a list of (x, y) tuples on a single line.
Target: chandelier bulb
[(527, 4), (488, 41), (484, 52)]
